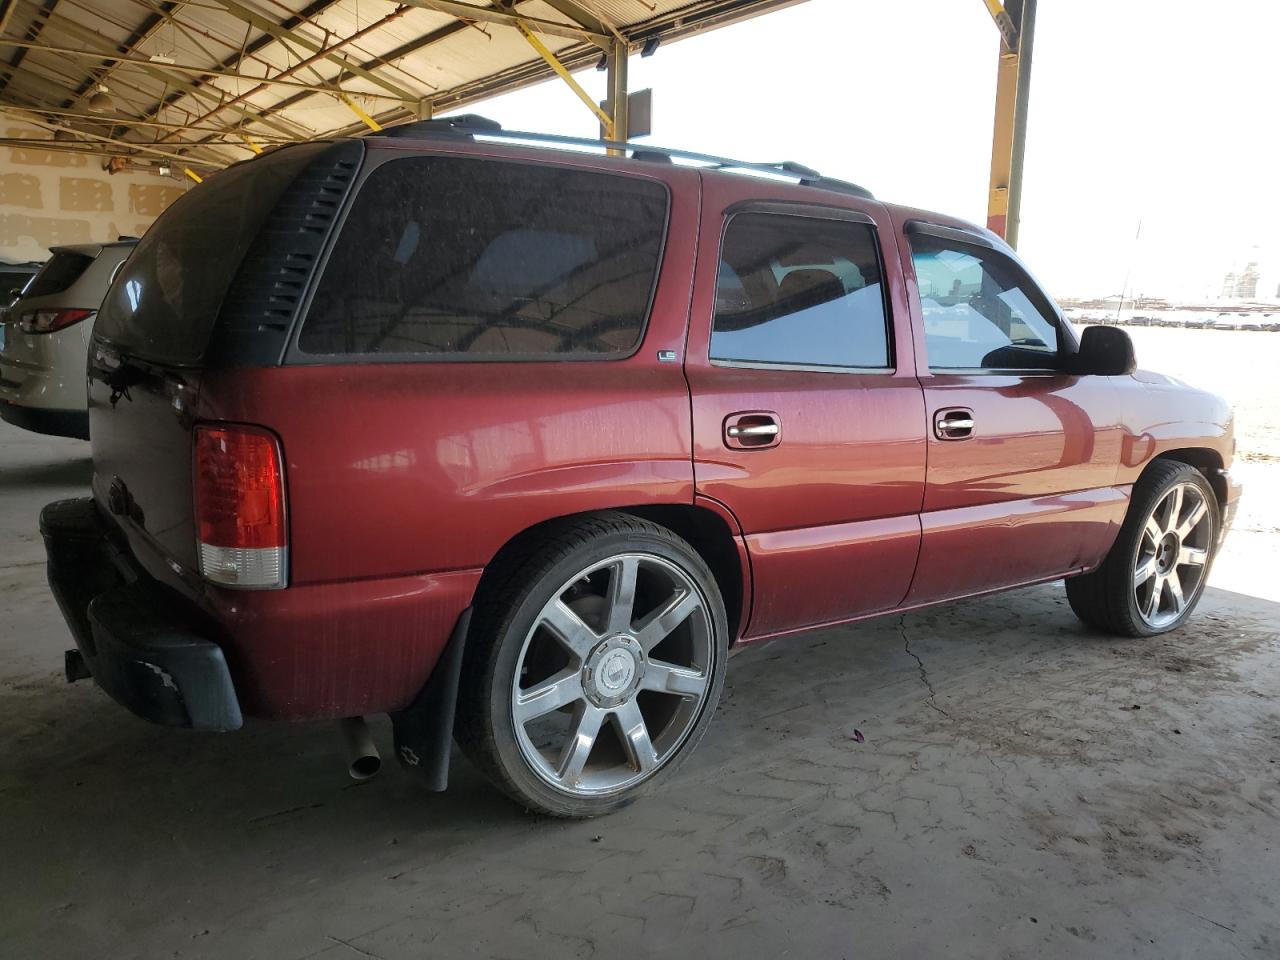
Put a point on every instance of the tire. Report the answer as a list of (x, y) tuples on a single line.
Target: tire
[(1165, 542), (594, 665)]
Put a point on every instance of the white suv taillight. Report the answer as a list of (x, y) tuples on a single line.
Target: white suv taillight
[(240, 506), (51, 321)]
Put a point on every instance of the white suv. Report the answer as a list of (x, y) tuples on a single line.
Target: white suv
[(44, 340)]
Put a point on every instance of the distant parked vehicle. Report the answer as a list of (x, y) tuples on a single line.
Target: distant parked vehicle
[(1140, 320), (1253, 323), (1223, 321), (13, 277), (44, 339)]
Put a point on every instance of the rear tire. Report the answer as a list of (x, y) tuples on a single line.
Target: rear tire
[(594, 665), (1155, 573)]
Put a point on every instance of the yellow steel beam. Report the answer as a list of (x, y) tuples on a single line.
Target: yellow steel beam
[(369, 122), (193, 175), (567, 77), (1004, 23)]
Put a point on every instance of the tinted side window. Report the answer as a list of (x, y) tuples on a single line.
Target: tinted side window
[(980, 309), (799, 290), (473, 259)]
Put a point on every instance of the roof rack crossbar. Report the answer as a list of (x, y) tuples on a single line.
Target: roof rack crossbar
[(472, 126)]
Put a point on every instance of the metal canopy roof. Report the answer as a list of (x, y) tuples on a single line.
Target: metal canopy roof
[(208, 82)]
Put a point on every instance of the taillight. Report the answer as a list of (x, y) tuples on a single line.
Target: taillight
[(240, 506), (50, 321)]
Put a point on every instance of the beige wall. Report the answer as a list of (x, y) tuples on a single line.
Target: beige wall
[(48, 198)]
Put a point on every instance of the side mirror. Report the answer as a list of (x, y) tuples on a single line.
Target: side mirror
[(1104, 352)]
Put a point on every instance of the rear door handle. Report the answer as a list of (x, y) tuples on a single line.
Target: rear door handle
[(753, 430), (955, 423)]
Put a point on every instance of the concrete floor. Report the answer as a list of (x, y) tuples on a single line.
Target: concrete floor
[(1025, 788)]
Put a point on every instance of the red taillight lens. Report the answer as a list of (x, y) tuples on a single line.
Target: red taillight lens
[(51, 321), (240, 506)]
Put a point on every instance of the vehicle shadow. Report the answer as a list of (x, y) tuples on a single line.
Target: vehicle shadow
[(55, 473)]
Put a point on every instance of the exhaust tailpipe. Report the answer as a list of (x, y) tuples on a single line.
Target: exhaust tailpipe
[(363, 760)]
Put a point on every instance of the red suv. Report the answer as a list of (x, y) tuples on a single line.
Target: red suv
[(515, 443)]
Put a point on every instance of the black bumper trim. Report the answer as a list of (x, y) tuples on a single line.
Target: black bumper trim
[(54, 423), (143, 646)]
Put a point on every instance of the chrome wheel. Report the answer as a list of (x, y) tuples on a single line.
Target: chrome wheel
[(1173, 555), (613, 675)]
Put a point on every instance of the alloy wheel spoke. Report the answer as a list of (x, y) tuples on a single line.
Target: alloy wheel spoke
[(635, 736), (573, 758), (666, 677), (1193, 557), (659, 625), (1145, 571), (1175, 509), (1193, 520), (1153, 602), (569, 628), (1153, 531), (1175, 590), (558, 691), (622, 594)]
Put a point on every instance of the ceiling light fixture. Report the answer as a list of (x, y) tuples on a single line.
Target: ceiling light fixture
[(100, 102)]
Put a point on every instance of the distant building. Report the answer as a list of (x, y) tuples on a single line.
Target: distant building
[(1242, 286)]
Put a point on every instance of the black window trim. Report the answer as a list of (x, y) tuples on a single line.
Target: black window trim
[(375, 159), (1040, 300), (810, 211)]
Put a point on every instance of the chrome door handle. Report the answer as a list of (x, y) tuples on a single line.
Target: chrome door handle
[(955, 424), (757, 430), (752, 430)]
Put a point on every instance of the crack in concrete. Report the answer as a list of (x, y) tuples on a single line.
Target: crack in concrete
[(932, 699)]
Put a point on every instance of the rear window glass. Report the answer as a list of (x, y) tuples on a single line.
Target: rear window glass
[(59, 272), (164, 301), (800, 291), (472, 259)]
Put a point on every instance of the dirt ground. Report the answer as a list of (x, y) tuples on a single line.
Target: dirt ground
[(1022, 787)]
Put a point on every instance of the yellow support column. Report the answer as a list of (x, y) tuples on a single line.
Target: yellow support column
[(1016, 23), (1002, 142)]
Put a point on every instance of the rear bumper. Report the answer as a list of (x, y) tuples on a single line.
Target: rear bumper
[(179, 653), (142, 645), (56, 423)]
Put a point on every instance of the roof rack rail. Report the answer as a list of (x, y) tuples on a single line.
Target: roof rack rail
[(473, 125)]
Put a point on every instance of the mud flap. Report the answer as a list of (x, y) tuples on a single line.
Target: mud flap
[(424, 730)]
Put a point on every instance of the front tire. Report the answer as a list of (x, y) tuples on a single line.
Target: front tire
[(1155, 574), (594, 666)]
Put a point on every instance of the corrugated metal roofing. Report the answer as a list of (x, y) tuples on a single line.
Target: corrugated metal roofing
[(191, 79)]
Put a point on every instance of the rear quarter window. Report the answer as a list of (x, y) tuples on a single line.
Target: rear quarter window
[(59, 272), (473, 259), (164, 302)]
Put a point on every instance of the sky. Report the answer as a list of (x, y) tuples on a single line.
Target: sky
[(1152, 114)]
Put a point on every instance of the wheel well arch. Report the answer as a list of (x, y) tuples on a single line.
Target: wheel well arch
[(1205, 459), (704, 529)]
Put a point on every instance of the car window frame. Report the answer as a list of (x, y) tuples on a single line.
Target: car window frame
[(811, 211), (373, 162), (984, 247)]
